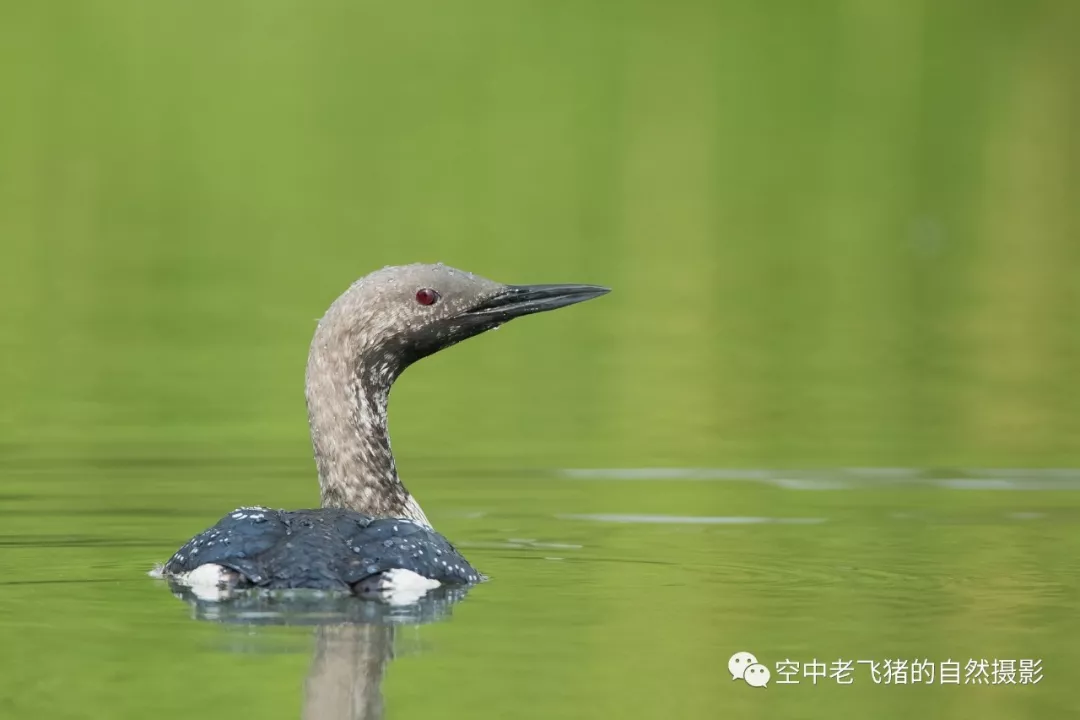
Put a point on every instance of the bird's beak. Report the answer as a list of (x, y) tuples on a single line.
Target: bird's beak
[(517, 300)]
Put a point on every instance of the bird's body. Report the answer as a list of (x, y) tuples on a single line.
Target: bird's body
[(321, 549), (370, 536)]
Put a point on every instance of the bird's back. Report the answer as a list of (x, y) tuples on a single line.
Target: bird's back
[(326, 548)]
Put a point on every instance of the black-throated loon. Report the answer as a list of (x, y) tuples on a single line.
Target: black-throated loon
[(370, 536)]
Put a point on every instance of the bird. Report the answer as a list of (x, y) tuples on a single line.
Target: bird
[(369, 537)]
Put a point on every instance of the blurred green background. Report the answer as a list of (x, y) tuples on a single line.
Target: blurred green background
[(838, 233)]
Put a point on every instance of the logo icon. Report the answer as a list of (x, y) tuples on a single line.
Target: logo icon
[(739, 662), (745, 666), (757, 675)]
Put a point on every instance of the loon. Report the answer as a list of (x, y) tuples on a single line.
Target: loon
[(370, 537)]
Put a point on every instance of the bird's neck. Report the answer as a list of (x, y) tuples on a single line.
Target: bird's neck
[(347, 399)]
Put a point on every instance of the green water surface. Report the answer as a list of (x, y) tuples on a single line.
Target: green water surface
[(843, 241)]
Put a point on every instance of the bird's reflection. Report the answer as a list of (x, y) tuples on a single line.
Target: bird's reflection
[(354, 639), (345, 679)]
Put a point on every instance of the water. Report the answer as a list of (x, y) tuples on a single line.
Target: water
[(828, 412)]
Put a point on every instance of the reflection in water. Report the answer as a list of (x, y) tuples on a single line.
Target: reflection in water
[(354, 639), (345, 680)]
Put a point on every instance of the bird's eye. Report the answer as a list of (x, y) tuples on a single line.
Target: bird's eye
[(427, 296)]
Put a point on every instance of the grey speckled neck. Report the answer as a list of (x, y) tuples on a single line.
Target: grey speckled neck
[(347, 399)]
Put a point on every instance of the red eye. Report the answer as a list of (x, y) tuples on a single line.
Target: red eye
[(426, 296)]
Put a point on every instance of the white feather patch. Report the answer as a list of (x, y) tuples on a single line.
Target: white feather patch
[(397, 587), (207, 582)]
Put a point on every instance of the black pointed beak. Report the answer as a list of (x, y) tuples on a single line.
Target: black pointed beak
[(517, 300)]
